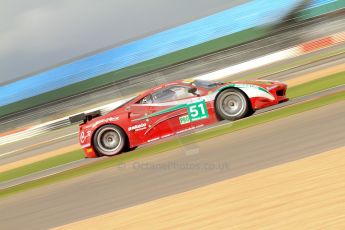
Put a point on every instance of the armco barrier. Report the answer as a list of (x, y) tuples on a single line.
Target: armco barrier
[(51, 125)]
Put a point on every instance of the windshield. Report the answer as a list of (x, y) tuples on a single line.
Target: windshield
[(121, 103), (206, 84)]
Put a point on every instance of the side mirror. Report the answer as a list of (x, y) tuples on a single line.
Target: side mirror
[(193, 90)]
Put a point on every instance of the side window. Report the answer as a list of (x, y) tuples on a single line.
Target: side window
[(146, 100), (164, 95), (182, 92), (172, 93)]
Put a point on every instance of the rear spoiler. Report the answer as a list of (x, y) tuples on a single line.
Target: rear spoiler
[(84, 117)]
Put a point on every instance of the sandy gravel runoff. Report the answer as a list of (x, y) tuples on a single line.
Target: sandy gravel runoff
[(304, 194), (315, 75)]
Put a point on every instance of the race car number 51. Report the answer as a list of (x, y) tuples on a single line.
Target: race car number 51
[(197, 111)]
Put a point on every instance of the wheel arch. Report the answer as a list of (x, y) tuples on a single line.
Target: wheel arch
[(233, 87)]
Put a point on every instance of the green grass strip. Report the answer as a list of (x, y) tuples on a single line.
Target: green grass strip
[(296, 91), (41, 165), (173, 144), (316, 85)]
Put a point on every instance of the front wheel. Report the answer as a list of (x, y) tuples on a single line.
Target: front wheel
[(109, 140), (232, 104)]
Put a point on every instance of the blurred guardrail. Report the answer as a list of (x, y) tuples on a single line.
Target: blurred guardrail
[(53, 125), (291, 52), (228, 28)]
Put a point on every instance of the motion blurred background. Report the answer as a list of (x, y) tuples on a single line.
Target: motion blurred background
[(53, 52)]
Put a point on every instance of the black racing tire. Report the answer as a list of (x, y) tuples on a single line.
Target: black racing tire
[(109, 140), (250, 112), (232, 104), (129, 149)]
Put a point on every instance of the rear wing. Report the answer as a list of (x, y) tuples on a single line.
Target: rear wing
[(84, 117)]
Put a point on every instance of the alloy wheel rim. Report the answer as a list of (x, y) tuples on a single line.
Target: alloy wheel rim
[(233, 104), (109, 140)]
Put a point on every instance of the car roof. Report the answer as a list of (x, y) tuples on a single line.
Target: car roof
[(186, 82), (178, 82)]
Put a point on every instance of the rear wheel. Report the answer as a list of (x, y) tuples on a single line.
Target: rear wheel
[(232, 104), (109, 140)]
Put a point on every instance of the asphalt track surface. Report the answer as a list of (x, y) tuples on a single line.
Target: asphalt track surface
[(183, 169), (68, 136), (285, 36)]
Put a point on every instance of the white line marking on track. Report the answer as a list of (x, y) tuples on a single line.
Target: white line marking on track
[(44, 142), (43, 176)]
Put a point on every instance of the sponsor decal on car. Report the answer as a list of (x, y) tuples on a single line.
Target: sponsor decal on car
[(154, 139), (167, 135), (197, 111), (138, 127), (83, 136), (106, 120), (184, 119)]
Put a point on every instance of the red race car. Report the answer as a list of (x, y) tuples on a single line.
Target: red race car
[(171, 109)]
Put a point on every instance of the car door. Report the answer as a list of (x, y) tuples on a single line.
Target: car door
[(140, 122), (168, 111), (172, 108)]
